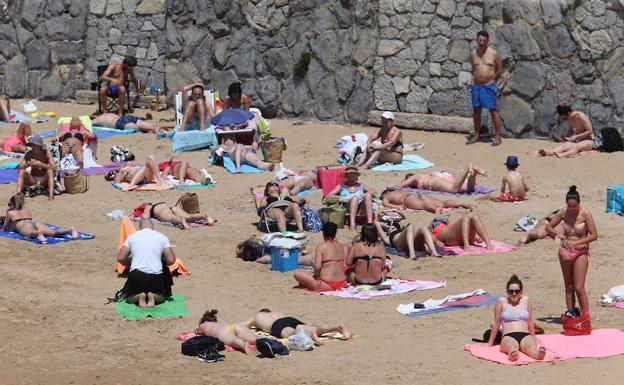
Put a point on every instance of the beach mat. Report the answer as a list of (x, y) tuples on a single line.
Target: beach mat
[(245, 168), (478, 298), (396, 286), (599, 344), (410, 162), (172, 307), (50, 240), (479, 190)]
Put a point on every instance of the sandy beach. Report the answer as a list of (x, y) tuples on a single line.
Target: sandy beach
[(58, 330)]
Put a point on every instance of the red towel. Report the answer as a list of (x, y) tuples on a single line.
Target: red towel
[(329, 178)]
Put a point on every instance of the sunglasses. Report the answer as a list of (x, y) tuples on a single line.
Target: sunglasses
[(514, 291)]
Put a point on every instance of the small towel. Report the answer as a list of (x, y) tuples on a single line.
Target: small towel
[(475, 298), (173, 306), (192, 140)]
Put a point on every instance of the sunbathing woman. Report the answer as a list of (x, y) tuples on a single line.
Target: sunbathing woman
[(355, 196), (566, 150), (72, 142), (579, 230), (367, 258), (390, 150), (515, 314), (407, 238), (444, 181), (182, 170), (539, 231), (242, 154), (237, 336), (172, 214), (306, 180), (137, 175), (17, 142), (468, 230), (19, 220), (280, 208), (328, 264), (403, 200)]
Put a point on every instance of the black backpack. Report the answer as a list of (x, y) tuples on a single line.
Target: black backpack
[(611, 140), (198, 344)]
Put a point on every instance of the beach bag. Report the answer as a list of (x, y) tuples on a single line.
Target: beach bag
[(312, 220), (611, 140), (198, 344), (488, 333), (121, 154), (76, 182), (615, 199), (300, 341), (189, 203), (576, 326)]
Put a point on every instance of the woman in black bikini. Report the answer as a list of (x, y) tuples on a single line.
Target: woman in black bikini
[(163, 212), (367, 258), (72, 142), (391, 148), (19, 220), (407, 238), (280, 208)]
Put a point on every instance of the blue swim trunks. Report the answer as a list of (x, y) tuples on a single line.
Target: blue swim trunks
[(484, 96), (121, 122), (113, 90)]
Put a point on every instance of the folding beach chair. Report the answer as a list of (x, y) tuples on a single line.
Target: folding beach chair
[(266, 224), (112, 102), (179, 108)]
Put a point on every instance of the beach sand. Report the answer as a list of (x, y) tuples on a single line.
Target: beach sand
[(57, 328)]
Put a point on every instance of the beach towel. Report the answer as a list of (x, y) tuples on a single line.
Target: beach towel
[(475, 298), (8, 176), (245, 168), (191, 140), (173, 306), (155, 221), (599, 344), (9, 165), (329, 178), (124, 186), (194, 186), (499, 247), (410, 162), (18, 117), (396, 286), (104, 169), (479, 190), (49, 240), (308, 192)]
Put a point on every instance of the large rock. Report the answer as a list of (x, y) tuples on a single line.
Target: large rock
[(544, 117), (400, 67), (441, 103), (360, 102), (324, 19), (601, 116), (16, 78), (37, 55), (326, 102), (600, 41), (552, 12), (438, 49), (32, 13), (560, 41), (179, 74), (345, 81), (584, 73), (76, 29), (50, 85), (383, 89), (295, 98), (243, 60), (150, 7), (221, 80), (616, 89), (528, 78), (516, 114), (324, 48), (70, 52), (198, 57), (459, 51), (363, 51), (419, 49), (278, 61), (389, 47), (446, 9), (269, 92), (523, 44), (57, 27), (97, 7), (113, 7), (416, 100)]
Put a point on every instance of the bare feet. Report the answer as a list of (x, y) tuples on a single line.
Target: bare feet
[(74, 233), (211, 221), (249, 350), (142, 300), (346, 332), (513, 356), (151, 300), (541, 353), (41, 237), (185, 225)]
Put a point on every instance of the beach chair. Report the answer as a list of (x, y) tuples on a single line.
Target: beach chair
[(112, 102), (266, 224), (208, 94)]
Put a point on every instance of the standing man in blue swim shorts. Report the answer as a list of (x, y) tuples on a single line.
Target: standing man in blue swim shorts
[(486, 69), (115, 77)]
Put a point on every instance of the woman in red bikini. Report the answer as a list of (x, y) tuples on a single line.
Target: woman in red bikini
[(329, 262), (579, 230), (181, 170)]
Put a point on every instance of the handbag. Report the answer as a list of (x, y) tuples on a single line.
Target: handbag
[(76, 182), (576, 326), (189, 203)]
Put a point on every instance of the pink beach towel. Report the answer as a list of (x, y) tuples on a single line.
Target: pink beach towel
[(499, 247), (329, 178), (601, 343), (397, 286), (620, 305)]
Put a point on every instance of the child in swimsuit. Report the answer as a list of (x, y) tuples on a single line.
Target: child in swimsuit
[(513, 180)]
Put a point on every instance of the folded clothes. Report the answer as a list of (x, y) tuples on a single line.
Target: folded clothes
[(388, 287)]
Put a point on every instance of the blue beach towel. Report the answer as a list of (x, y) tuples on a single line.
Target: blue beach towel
[(194, 140), (478, 300), (245, 168), (99, 131), (410, 162), (18, 117), (8, 176), (63, 239)]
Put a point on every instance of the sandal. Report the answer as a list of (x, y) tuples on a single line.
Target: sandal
[(473, 140), (496, 142)]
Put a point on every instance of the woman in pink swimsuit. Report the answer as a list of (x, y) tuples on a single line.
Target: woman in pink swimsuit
[(579, 230), (17, 142)]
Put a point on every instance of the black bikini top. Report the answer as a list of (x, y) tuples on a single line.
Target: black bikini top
[(69, 135)]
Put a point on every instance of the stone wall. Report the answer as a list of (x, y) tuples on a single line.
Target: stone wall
[(401, 55)]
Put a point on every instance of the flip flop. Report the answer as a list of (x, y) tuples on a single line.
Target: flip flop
[(496, 142), (473, 140)]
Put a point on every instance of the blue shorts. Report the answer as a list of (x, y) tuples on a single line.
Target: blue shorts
[(121, 122), (113, 90), (484, 96)]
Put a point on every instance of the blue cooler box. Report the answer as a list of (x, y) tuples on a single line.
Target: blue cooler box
[(284, 259), (615, 199)]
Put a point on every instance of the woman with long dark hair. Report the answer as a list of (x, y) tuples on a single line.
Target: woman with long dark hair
[(367, 258)]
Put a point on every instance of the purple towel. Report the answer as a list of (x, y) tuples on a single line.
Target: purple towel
[(8, 176), (104, 169), (479, 190), (232, 117)]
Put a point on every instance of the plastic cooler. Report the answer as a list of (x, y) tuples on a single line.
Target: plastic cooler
[(615, 199), (284, 259)]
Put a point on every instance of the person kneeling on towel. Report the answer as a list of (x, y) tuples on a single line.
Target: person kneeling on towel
[(148, 253)]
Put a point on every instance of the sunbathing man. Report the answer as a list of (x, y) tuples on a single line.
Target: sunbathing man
[(124, 122), (42, 167), (5, 108), (137, 175), (390, 148), (17, 142), (235, 97), (403, 200), (115, 76), (196, 109), (281, 326), (443, 181)]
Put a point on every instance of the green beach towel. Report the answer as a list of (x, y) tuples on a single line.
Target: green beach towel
[(172, 307)]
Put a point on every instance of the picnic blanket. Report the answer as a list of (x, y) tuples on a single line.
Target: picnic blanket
[(479, 190), (600, 343), (396, 286), (229, 165), (475, 298), (173, 306), (410, 162), (49, 240)]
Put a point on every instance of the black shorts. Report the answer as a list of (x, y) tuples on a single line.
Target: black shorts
[(518, 336), (140, 282), (283, 323)]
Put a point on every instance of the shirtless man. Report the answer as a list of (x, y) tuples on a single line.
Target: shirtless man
[(115, 77), (281, 326), (5, 108), (486, 69), (110, 120), (196, 108)]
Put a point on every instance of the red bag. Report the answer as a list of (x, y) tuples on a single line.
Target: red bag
[(576, 326)]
